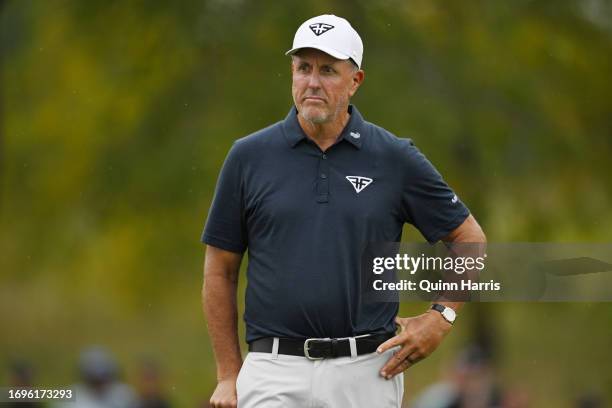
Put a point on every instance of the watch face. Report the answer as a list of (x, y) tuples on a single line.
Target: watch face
[(449, 314)]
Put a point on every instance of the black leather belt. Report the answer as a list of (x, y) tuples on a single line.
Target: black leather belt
[(316, 349)]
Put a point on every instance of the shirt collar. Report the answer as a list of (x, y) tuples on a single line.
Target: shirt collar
[(352, 132)]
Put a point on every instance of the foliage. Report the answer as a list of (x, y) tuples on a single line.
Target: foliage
[(116, 117)]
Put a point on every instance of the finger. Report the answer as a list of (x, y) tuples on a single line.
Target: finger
[(395, 360), (407, 363), (404, 365), (220, 403), (392, 342)]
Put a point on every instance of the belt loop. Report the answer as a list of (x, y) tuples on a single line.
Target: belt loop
[(353, 344), (334, 348), (274, 355)]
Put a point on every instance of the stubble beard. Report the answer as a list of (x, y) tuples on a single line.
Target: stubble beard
[(321, 116), (315, 116)]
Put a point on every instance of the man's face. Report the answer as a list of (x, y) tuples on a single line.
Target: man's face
[(322, 85)]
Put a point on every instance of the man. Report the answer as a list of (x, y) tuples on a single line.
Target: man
[(305, 196), (100, 385)]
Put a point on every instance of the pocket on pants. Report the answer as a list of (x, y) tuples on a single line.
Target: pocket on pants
[(399, 388), (242, 375)]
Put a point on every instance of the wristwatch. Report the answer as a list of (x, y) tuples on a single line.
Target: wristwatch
[(447, 313)]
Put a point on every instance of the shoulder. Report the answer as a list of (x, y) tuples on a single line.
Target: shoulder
[(387, 143), (261, 138), (252, 146), (400, 152)]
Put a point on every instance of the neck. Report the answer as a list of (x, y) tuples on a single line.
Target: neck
[(324, 134)]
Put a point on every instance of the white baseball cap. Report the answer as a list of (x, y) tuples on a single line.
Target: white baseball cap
[(331, 34)]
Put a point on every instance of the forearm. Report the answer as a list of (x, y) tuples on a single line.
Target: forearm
[(422, 334), (222, 316), (470, 241), (219, 299)]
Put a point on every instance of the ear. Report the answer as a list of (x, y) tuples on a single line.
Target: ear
[(358, 78)]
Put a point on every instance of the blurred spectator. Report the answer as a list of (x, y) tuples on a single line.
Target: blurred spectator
[(100, 386), (515, 397), (470, 384), (589, 400), (150, 390), (20, 375)]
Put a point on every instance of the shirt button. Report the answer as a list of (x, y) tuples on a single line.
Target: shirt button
[(323, 176), (324, 156)]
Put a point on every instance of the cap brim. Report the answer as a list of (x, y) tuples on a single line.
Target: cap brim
[(327, 50)]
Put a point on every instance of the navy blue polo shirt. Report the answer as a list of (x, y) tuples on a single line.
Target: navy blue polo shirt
[(305, 217)]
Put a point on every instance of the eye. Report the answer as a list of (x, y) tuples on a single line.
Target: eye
[(303, 67), (327, 69)]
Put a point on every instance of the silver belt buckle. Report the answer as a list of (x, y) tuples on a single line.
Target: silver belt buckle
[(306, 349)]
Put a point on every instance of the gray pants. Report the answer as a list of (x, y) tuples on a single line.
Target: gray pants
[(271, 380)]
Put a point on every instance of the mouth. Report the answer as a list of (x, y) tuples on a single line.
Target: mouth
[(314, 98)]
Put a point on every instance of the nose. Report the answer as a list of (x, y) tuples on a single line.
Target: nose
[(314, 81)]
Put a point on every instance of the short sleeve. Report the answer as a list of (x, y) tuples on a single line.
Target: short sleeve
[(225, 225), (428, 202)]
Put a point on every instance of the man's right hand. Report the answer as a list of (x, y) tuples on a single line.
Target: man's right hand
[(225, 394)]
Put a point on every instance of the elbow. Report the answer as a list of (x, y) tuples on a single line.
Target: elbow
[(474, 232), (480, 236)]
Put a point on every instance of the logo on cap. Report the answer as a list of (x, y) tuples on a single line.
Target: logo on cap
[(320, 28)]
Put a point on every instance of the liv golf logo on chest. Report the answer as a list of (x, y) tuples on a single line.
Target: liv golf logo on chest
[(359, 183)]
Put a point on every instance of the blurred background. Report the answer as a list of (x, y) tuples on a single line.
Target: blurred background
[(115, 117)]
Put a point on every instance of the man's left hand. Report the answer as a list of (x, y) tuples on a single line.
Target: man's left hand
[(418, 338)]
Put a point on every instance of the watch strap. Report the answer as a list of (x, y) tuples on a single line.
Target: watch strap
[(440, 308)]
